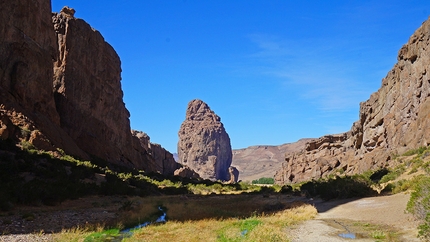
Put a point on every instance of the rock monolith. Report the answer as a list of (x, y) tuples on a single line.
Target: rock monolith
[(204, 145)]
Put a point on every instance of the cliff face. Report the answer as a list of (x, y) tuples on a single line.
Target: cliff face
[(27, 49), (394, 119), (60, 87), (159, 159), (88, 93), (204, 145)]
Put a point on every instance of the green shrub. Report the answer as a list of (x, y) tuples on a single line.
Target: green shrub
[(418, 151), (419, 205), (339, 187), (392, 174), (264, 180), (26, 145)]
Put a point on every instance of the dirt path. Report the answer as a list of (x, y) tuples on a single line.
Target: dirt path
[(364, 219)]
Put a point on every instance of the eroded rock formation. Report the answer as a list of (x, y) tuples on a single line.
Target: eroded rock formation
[(60, 88), (234, 174), (27, 50), (204, 145), (159, 159), (88, 93), (396, 118), (187, 172)]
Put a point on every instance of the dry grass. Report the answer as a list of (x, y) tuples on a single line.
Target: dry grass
[(270, 227), (184, 208), (73, 235), (246, 217)]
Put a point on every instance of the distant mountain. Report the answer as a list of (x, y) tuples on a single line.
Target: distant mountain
[(263, 160)]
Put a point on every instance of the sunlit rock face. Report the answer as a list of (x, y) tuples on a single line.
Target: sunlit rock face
[(396, 118), (204, 145), (60, 88), (159, 159)]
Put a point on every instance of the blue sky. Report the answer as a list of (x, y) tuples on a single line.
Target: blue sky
[(274, 71)]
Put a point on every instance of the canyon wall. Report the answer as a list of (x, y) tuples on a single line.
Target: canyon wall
[(396, 118), (60, 88)]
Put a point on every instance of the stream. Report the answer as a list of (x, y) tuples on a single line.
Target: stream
[(161, 219)]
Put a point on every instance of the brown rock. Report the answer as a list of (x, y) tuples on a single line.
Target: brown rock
[(60, 88), (396, 118), (27, 48), (234, 174), (88, 93), (187, 173), (204, 145), (159, 159)]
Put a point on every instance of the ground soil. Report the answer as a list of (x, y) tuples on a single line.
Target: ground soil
[(362, 218)]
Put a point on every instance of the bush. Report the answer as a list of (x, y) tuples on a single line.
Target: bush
[(419, 206), (418, 151), (339, 187), (264, 180)]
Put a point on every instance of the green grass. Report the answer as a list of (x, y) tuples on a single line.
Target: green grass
[(105, 235), (202, 218), (418, 151)]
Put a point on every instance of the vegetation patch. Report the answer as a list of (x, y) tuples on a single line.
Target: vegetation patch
[(264, 180), (105, 235)]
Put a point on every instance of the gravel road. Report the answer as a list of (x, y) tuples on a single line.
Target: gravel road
[(357, 218)]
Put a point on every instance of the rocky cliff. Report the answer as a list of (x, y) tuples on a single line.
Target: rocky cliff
[(204, 145), (60, 88), (27, 51), (159, 159), (394, 119), (88, 93)]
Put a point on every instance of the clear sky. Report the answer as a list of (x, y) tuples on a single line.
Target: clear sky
[(274, 71)]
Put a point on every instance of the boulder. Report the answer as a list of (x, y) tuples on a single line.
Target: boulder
[(187, 173)]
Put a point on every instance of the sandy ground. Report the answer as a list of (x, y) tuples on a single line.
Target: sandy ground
[(358, 218)]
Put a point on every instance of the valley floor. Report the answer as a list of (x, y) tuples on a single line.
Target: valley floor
[(368, 219), (383, 217)]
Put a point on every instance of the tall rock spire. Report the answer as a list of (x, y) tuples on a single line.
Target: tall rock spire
[(204, 145)]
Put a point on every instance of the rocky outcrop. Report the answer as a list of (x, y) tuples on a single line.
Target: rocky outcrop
[(204, 145), (396, 118), (88, 94), (60, 88), (187, 173), (159, 159), (234, 174), (259, 161), (27, 48)]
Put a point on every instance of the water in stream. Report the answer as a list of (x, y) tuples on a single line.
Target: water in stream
[(160, 219), (347, 235)]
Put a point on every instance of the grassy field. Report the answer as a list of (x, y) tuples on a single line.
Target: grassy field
[(244, 217)]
